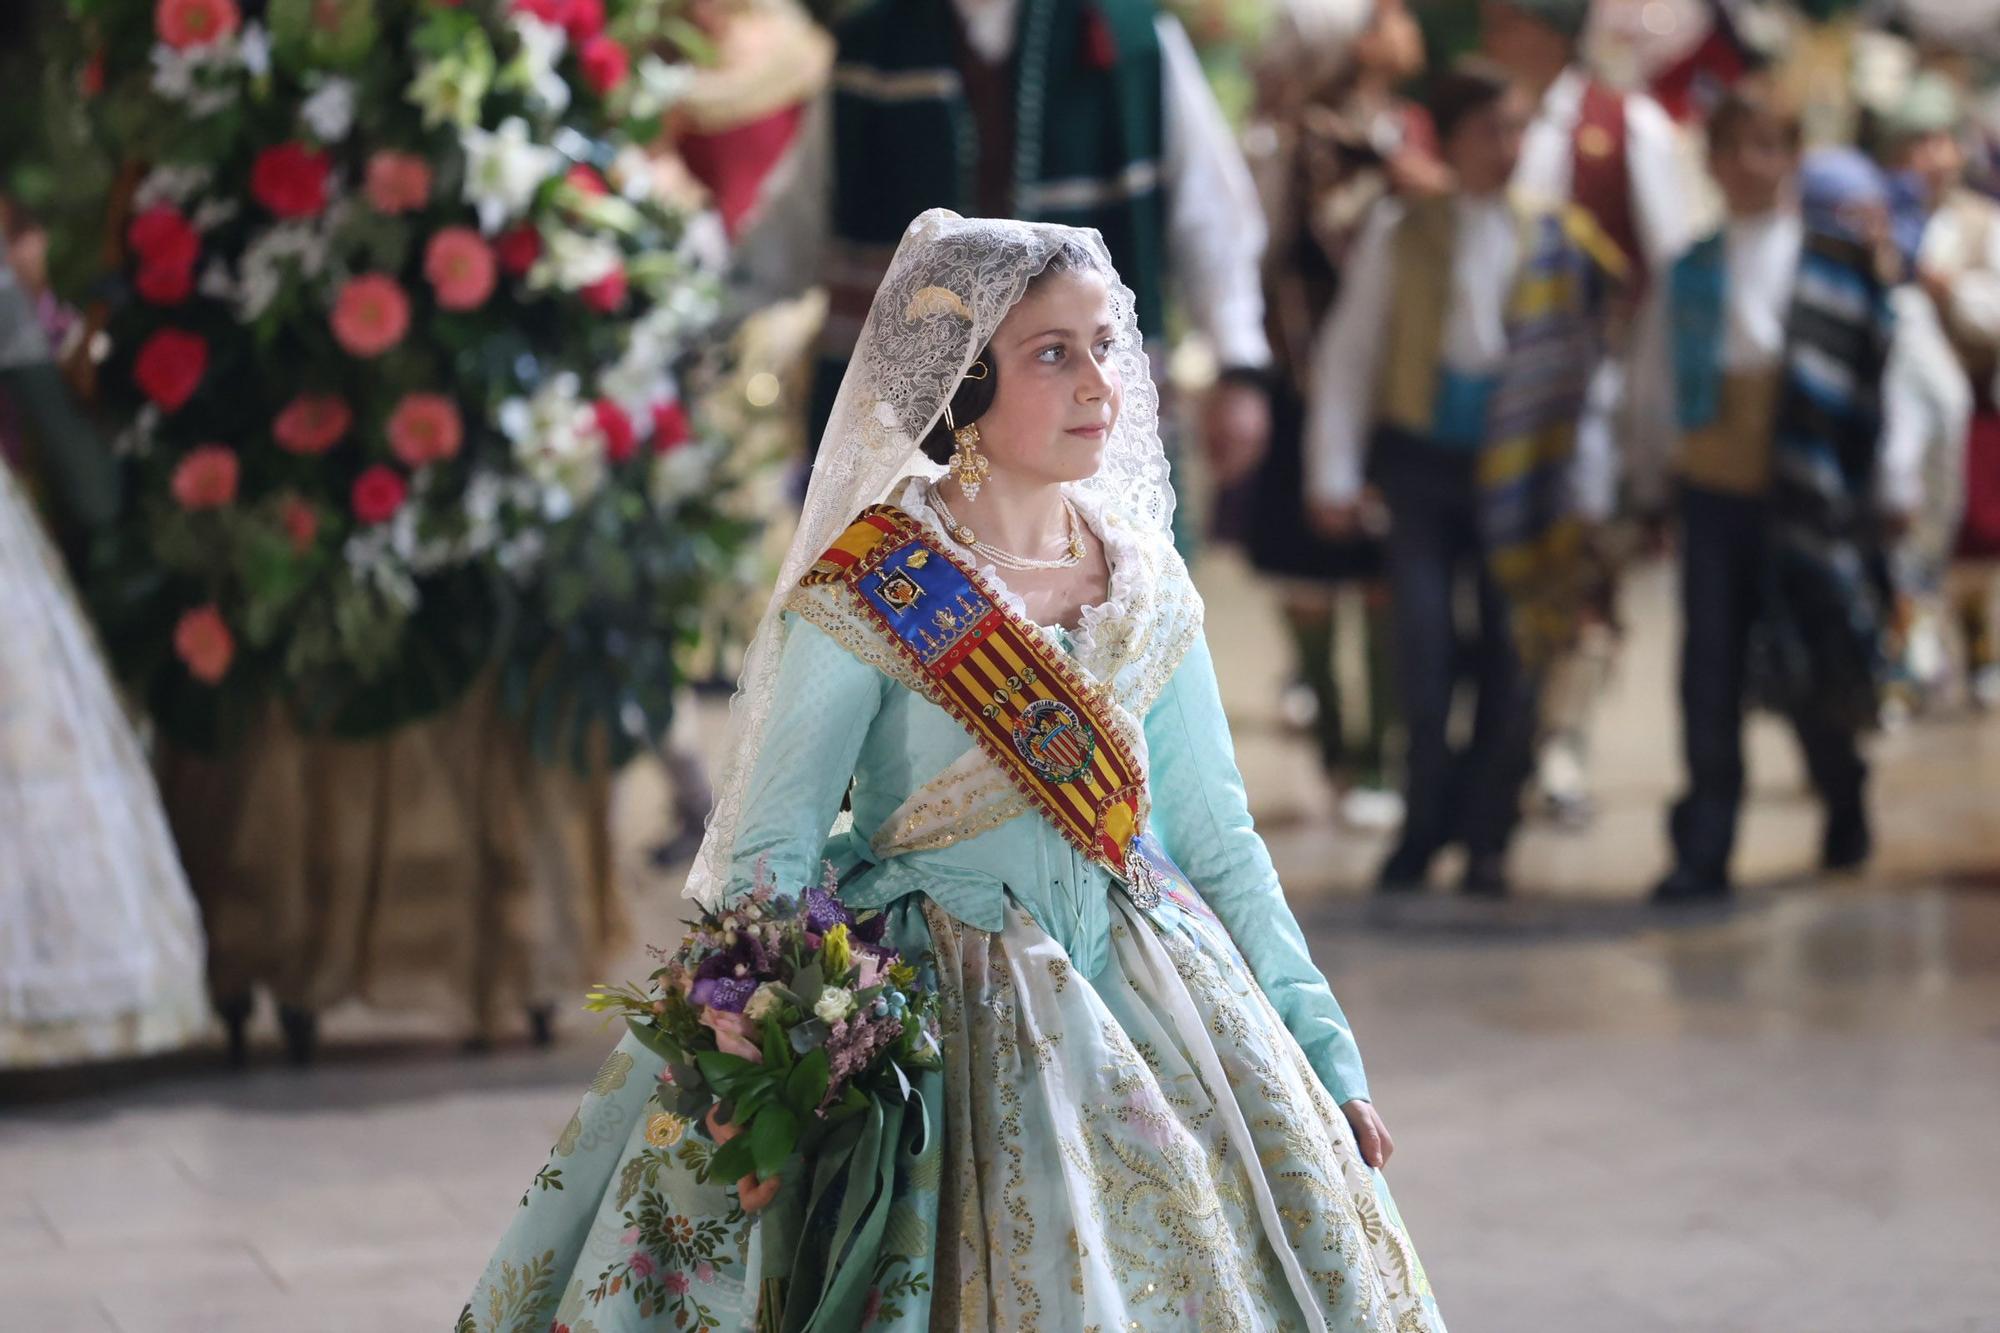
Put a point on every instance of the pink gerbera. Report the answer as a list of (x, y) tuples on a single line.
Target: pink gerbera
[(206, 478), (425, 428), (312, 423), (185, 23), (370, 315)]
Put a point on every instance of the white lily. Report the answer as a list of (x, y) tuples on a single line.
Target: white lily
[(542, 45), (503, 169)]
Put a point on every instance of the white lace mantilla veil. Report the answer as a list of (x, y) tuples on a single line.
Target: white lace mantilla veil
[(950, 284)]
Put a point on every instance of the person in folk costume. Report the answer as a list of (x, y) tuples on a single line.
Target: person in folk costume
[(739, 115), (100, 939), (1452, 372), (1329, 138), (1090, 113), (1958, 264), (1150, 1109), (1782, 332), (1615, 155), (1929, 392)]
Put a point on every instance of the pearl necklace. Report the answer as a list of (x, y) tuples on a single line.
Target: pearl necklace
[(1007, 559)]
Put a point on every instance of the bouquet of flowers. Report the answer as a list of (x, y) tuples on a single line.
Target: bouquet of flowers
[(392, 306), (780, 1019)]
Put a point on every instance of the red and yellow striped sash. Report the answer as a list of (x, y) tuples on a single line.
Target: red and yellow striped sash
[(1046, 725)]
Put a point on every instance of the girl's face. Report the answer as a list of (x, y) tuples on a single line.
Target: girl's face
[(1058, 394)]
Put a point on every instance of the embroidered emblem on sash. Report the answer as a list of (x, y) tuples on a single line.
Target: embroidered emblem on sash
[(1056, 742)]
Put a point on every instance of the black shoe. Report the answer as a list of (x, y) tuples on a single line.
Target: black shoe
[(1685, 889), (1847, 844), (1485, 877)]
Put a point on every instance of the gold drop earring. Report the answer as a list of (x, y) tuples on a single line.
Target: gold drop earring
[(968, 466)]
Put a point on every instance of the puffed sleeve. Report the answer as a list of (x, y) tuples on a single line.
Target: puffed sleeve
[(826, 700), (1202, 816)]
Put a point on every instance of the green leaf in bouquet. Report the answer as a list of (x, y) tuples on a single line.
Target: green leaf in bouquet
[(902, 1079), (732, 1160), (773, 1135), (806, 1084), (777, 1050), (811, 1034), (722, 1070), (808, 982), (654, 1040), (687, 1076)]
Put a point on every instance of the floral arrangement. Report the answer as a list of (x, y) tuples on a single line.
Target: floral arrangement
[(780, 1018), (394, 337)]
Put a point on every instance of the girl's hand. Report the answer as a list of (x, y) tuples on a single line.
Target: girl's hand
[(753, 1194), (1370, 1133)]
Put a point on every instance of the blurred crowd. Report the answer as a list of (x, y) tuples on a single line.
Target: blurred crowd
[(1529, 327)]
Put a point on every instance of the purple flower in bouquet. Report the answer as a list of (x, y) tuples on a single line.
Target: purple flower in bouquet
[(824, 911), (728, 977), (727, 993)]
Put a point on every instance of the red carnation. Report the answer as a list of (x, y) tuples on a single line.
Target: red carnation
[(670, 425), (620, 440), (378, 493), (604, 63), (167, 247), (290, 180), (163, 284), (160, 235), (584, 20), (518, 248), (170, 366), (607, 294)]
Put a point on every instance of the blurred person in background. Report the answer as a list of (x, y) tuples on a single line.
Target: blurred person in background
[(1930, 394), (1451, 372), (1331, 137), (100, 941), (1781, 335), (1958, 265), (1614, 155), (1090, 113)]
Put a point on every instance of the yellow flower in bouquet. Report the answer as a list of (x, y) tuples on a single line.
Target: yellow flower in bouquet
[(837, 952)]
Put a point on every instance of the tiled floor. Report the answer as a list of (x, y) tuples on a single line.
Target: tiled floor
[(1776, 1120)]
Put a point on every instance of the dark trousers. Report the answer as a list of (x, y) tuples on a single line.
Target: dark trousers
[(1722, 554), (1468, 793)]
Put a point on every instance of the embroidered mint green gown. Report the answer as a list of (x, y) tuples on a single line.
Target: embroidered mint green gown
[(1138, 1122)]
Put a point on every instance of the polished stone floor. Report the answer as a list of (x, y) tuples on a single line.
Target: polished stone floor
[(1774, 1119)]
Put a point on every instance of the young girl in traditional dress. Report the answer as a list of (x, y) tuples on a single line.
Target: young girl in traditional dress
[(1151, 1111)]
